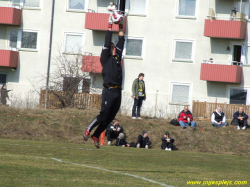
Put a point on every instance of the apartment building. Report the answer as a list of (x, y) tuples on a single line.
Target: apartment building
[(171, 41)]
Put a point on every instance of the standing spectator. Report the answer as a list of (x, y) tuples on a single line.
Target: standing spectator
[(240, 118), (143, 140), (113, 130), (167, 142), (218, 118), (4, 94), (111, 7), (139, 94), (186, 118), (120, 141)]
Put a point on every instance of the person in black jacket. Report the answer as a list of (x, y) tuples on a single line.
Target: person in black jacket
[(167, 142), (112, 81), (113, 130), (143, 140), (120, 141), (4, 94), (240, 118)]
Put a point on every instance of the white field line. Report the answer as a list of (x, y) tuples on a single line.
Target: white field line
[(93, 167), (53, 147)]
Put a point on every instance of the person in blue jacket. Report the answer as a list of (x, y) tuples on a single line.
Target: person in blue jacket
[(240, 118)]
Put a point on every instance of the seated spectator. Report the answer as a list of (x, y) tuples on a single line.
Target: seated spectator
[(240, 118), (143, 140), (113, 130), (186, 118), (218, 118), (167, 142), (120, 141)]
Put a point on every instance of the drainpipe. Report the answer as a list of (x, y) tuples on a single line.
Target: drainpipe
[(49, 57), (240, 5)]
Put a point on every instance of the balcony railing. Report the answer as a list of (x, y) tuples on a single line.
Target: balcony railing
[(10, 15), (9, 58), (99, 21), (91, 63), (221, 71), (231, 26)]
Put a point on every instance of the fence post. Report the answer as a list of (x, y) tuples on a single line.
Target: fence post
[(156, 102)]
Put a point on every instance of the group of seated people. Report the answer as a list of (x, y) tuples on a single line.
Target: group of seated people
[(218, 118), (185, 118), (115, 131)]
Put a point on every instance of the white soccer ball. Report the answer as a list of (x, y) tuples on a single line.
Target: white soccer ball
[(117, 17)]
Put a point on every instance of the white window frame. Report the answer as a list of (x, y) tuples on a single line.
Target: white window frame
[(181, 84), (76, 34), (183, 16), (143, 46), (184, 60), (239, 88), (77, 10), (19, 40), (30, 7), (127, 9)]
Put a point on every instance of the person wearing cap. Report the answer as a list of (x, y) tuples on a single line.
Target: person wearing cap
[(113, 131), (139, 95), (111, 7), (186, 118), (167, 142), (120, 141), (143, 140)]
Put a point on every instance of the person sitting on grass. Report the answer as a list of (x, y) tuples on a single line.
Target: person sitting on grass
[(120, 141), (167, 142), (143, 140), (218, 118), (240, 118), (113, 131), (186, 118)]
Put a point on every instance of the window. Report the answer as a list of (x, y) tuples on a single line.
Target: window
[(76, 4), (134, 47), (183, 50), (76, 84), (3, 79), (73, 43), (29, 40), (187, 8), (23, 39), (137, 7), (238, 96), (180, 93), (32, 3)]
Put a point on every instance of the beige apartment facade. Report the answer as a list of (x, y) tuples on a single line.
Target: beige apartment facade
[(171, 42)]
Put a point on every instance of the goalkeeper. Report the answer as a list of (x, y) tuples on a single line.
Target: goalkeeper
[(112, 82)]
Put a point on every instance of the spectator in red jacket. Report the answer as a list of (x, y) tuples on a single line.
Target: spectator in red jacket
[(186, 118)]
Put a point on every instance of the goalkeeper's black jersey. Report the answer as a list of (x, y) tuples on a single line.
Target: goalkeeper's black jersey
[(112, 69)]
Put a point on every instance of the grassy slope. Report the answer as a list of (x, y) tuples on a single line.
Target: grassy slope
[(19, 165), (60, 126)]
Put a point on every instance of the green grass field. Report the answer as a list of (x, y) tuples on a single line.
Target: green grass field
[(33, 163)]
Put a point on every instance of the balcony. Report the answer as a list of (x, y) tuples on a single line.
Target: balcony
[(8, 58), (213, 71), (99, 21), (231, 26), (10, 16), (91, 63)]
